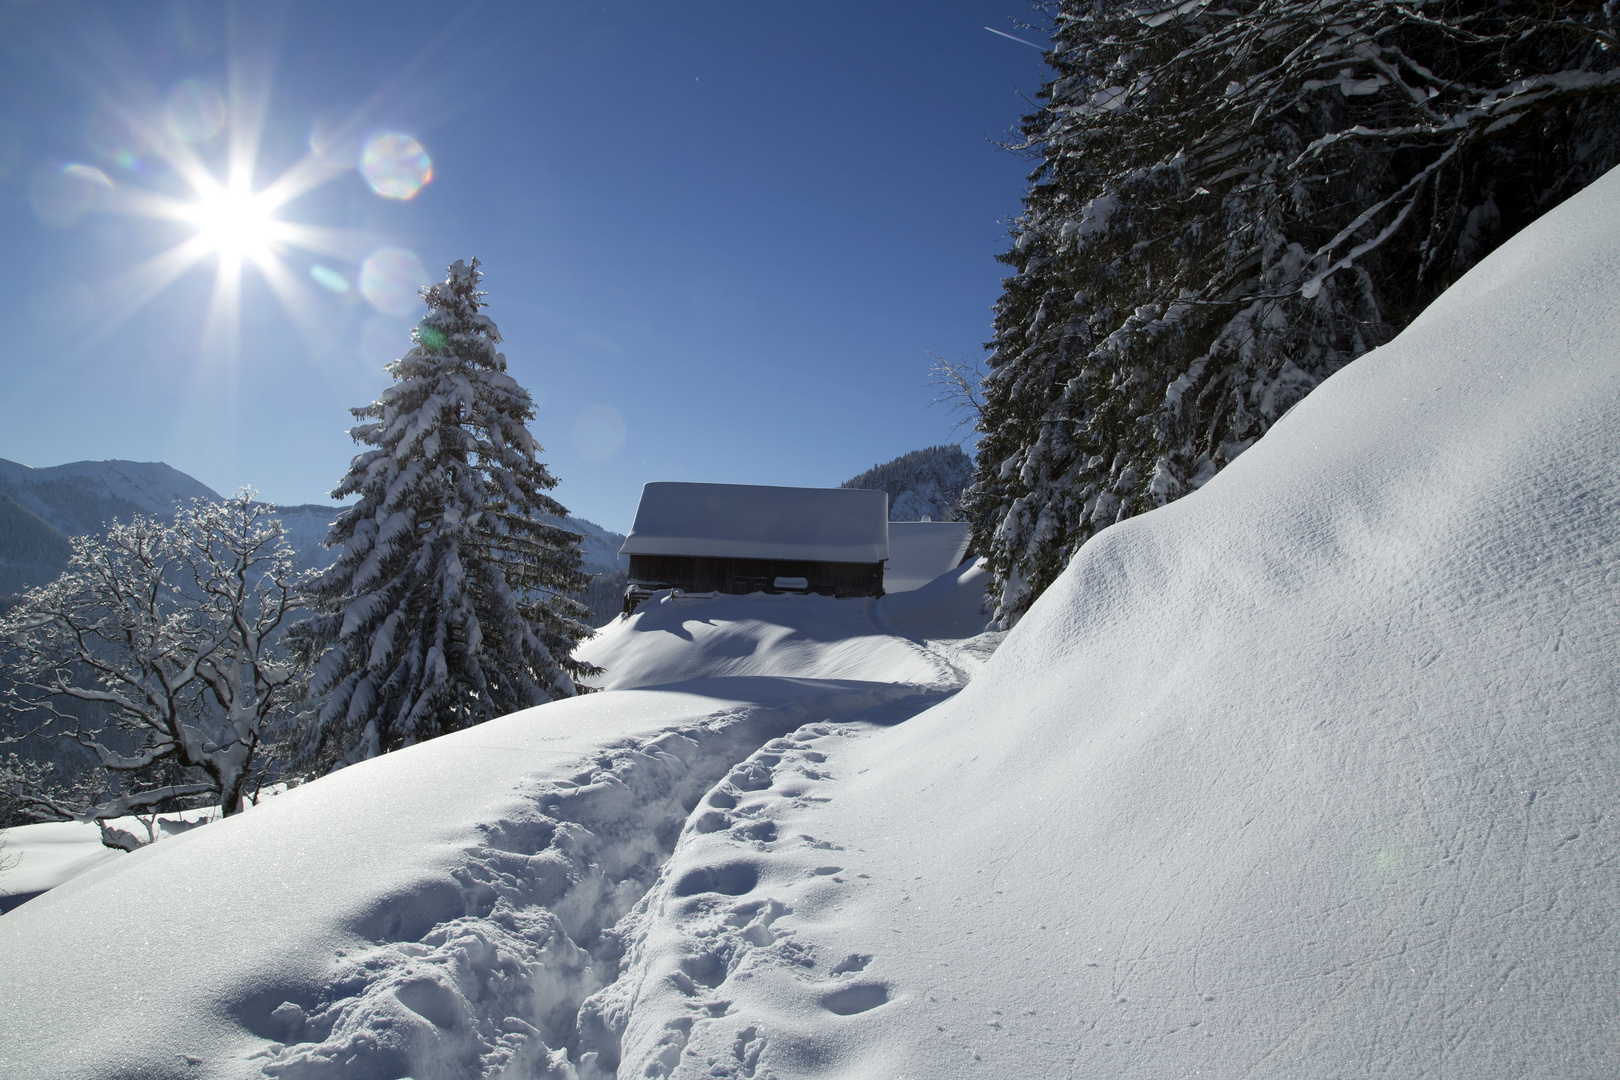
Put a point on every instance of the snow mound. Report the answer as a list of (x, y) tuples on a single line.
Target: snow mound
[(911, 637), (1309, 774), (46, 855)]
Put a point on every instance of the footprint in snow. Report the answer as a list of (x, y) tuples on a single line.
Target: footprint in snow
[(858, 998)]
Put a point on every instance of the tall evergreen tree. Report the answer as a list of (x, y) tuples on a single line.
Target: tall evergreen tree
[(1233, 201), (451, 601)]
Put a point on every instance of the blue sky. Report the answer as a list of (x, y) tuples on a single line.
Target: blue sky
[(720, 239)]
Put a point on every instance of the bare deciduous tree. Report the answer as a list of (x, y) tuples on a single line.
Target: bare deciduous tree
[(957, 383), (171, 629)]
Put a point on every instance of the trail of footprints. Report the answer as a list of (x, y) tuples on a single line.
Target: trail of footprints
[(729, 902)]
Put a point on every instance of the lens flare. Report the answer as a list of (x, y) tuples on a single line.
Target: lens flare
[(192, 157), (395, 166), (63, 195), (195, 112), (329, 279), (109, 136), (599, 432), (389, 279), (333, 141)]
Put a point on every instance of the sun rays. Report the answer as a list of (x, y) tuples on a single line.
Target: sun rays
[(234, 223), (192, 157)]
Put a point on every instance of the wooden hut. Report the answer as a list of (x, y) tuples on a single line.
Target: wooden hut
[(744, 538)]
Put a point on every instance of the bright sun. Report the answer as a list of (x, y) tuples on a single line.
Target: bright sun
[(234, 223)]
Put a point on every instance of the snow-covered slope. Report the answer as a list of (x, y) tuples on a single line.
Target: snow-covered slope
[(83, 496), (1311, 774), (599, 547), (912, 637), (32, 551), (440, 911), (924, 483)]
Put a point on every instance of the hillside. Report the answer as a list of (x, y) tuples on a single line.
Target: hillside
[(85, 496), (1305, 775), (74, 500), (31, 549), (922, 484)]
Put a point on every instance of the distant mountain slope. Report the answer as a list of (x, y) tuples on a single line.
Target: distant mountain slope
[(86, 496), (600, 547), (924, 483), (40, 508), (32, 550), (306, 526)]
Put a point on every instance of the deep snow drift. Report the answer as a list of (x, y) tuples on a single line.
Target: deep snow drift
[(1309, 774)]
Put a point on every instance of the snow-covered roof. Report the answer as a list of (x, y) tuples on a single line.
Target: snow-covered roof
[(747, 521), (920, 551)]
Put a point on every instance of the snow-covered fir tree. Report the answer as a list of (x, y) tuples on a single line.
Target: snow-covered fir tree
[(1233, 201), (451, 601)]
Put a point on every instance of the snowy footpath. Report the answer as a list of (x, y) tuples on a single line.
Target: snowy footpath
[(1314, 773), (447, 909)]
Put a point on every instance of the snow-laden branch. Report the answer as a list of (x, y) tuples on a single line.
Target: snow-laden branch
[(167, 630)]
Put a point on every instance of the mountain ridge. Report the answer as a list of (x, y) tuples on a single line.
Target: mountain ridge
[(84, 497), (924, 484)]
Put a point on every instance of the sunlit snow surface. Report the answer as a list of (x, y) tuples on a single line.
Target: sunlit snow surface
[(918, 637), (1310, 774)]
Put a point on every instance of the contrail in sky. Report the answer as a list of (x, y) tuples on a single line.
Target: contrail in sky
[(1009, 37)]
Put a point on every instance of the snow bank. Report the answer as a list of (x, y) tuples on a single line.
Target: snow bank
[(952, 607), (1309, 774), (440, 911), (911, 637), (45, 856)]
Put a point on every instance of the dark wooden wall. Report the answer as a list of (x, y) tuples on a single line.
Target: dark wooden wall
[(696, 574)]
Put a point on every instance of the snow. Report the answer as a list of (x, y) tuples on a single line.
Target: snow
[(916, 638), (491, 857), (41, 857), (80, 496), (1308, 774), (920, 551), (46, 855), (746, 521)]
